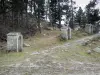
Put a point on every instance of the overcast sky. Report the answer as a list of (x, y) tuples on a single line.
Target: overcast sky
[(83, 3)]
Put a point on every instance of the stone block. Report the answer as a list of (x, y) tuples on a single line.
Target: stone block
[(15, 41), (89, 28), (66, 33), (69, 33)]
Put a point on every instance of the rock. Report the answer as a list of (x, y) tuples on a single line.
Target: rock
[(35, 53), (97, 49), (44, 34), (93, 42), (89, 51), (85, 44), (90, 44), (28, 59), (26, 45)]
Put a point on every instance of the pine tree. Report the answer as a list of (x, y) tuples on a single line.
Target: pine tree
[(53, 12), (92, 13), (67, 10), (39, 12), (79, 15)]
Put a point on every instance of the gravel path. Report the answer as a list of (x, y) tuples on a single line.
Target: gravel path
[(44, 63)]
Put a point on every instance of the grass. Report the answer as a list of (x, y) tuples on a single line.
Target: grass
[(10, 58), (40, 42), (75, 53), (78, 34)]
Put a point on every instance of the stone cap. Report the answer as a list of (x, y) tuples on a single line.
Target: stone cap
[(14, 33)]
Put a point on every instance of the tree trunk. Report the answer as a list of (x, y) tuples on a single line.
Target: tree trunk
[(39, 27), (72, 14)]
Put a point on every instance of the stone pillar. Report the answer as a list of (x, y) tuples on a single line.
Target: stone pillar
[(89, 28), (64, 34), (14, 41), (69, 33)]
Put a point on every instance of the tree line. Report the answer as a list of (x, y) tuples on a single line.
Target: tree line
[(90, 15), (26, 15)]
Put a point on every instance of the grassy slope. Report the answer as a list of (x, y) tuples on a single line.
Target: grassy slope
[(39, 42)]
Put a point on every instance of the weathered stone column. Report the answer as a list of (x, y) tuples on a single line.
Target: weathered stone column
[(89, 28), (14, 41), (69, 33), (64, 34)]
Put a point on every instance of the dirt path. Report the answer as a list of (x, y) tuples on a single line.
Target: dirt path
[(52, 62)]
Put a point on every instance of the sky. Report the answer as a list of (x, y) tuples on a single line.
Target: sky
[(83, 3)]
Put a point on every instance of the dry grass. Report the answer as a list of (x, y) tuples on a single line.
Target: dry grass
[(78, 34), (39, 42)]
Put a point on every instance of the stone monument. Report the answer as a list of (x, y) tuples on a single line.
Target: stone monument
[(97, 29), (89, 28), (69, 33), (66, 33), (14, 41)]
